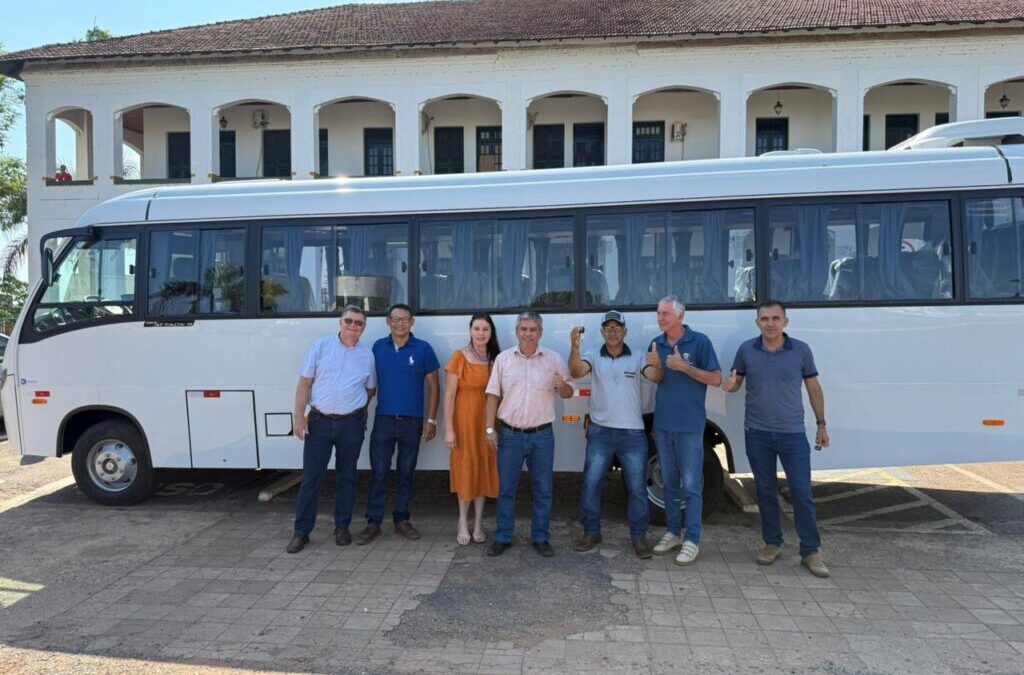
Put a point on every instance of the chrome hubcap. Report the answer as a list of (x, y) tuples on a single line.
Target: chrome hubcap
[(656, 484), (112, 465)]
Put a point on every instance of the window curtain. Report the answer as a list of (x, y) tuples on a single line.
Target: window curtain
[(811, 234), (712, 288), (895, 284), (514, 240), (462, 264), (357, 258), (978, 220), (208, 269), (541, 246), (679, 284)]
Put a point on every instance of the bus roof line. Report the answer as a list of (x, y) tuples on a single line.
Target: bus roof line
[(1009, 170)]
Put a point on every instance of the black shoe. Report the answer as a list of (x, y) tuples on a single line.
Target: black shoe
[(297, 543), (641, 548), (543, 549), (497, 548), (342, 537)]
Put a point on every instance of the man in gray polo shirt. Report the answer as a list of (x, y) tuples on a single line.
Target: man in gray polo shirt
[(616, 429), (773, 366)]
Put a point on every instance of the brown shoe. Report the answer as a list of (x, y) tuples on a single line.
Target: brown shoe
[(342, 537), (816, 565), (588, 542), (406, 529), (641, 548), (368, 535)]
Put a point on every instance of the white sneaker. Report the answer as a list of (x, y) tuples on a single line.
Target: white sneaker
[(669, 542), (688, 553)]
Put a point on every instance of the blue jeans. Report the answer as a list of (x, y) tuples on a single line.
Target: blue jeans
[(538, 449), (681, 454), (345, 438), (603, 445), (389, 431), (764, 450)]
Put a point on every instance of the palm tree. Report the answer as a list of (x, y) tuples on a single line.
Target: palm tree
[(13, 213)]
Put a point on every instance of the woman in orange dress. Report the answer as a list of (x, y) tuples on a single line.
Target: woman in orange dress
[(474, 466)]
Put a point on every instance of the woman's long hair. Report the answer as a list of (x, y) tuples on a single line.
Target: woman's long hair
[(493, 349)]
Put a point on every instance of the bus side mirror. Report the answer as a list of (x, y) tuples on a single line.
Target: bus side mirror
[(48, 267)]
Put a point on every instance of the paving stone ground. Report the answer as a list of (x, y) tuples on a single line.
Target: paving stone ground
[(178, 586)]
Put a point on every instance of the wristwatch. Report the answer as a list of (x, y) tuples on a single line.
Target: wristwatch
[(489, 431), (431, 420), (821, 423)]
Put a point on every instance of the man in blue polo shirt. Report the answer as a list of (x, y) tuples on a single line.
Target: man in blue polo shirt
[(404, 364), (774, 365), (683, 363)]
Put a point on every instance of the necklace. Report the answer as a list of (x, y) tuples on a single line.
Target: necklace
[(480, 358)]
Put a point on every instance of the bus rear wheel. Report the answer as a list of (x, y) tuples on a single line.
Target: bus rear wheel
[(712, 484), (111, 464)]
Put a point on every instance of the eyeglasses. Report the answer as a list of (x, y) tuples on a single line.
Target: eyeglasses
[(400, 320), (353, 322), (613, 330)]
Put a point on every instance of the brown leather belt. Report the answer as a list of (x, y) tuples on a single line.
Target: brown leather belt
[(527, 430)]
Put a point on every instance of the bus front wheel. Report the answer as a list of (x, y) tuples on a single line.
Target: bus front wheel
[(712, 484), (111, 464)]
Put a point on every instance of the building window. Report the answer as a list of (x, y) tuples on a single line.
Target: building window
[(179, 154), (378, 152), (772, 134), (588, 144), (448, 150), (548, 146), (1001, 113), (899, 128), (867, 133), (277, 153), (227, 154), (941, 118), (488, 148), (648, 142), (325, 166)]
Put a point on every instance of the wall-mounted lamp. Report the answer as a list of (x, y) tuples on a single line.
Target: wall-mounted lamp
[(531, 118), (778, 103), (1004, 100), (223, 122)]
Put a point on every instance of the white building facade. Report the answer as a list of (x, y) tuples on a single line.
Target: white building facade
[(502, 107)]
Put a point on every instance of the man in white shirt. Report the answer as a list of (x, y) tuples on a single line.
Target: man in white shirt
[(616, 429), (337, 381)]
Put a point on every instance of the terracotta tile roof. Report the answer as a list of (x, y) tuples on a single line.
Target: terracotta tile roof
[(447, 22)]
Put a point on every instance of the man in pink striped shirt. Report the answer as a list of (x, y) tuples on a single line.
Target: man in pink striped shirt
[(521, 395)]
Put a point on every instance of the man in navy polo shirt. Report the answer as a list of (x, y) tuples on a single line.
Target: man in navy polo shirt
[(404, 363), (774, 365), (683, 363)]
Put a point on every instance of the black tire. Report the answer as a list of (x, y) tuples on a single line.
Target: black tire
[(713, 484), (112, 465)]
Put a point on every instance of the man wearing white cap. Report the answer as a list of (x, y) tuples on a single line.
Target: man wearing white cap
[(616, 429)]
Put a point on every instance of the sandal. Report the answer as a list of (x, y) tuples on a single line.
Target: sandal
[(479, 537), (463, 538)]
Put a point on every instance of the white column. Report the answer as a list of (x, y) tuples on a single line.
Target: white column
[(620, 125), (513, 129), (107, 144), (967, 101), (732, 121), (849, 116), (407, 135), (304, 140), (202, 130)]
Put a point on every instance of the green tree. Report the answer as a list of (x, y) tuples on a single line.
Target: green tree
[(11, 99), (13, 183), (97, 33), (12, 296)]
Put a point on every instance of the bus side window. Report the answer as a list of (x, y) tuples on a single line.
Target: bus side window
[(95, 281), (995, 247)]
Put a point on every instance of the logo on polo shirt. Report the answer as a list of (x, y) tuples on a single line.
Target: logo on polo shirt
[(412, 361)]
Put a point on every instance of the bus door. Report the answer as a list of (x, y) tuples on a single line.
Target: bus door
[(222, 429)]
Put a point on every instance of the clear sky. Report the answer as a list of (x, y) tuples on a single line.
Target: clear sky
[(32, 24)]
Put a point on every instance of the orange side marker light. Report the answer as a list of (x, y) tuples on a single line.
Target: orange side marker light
[(994, 423)]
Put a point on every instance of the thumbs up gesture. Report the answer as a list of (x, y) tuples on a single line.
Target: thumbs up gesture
[(731, 383), (675, 361), (653, 360)]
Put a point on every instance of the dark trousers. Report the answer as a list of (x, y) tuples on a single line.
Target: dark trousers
[(537, 448), (765, 449), (345, 439), (389, 432)]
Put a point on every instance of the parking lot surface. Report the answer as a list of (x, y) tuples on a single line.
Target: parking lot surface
[(926, 578)]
